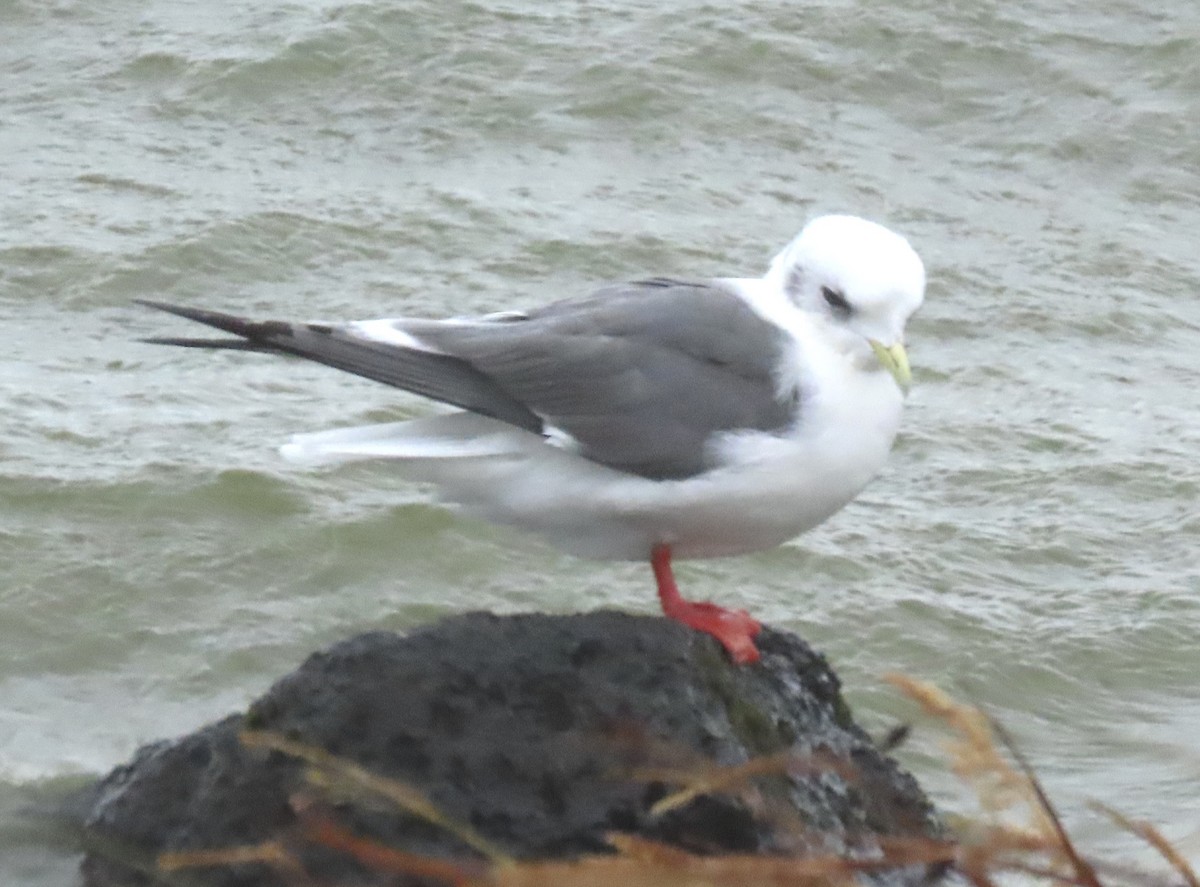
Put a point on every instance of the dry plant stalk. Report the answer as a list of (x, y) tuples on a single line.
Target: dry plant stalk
[(1152, 836), (638, 863), (991, 847), (974, 756), (270, 853), (708, 779), (332, 773), (378, 858)]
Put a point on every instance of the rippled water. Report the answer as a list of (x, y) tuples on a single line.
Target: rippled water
[(1033, 543)]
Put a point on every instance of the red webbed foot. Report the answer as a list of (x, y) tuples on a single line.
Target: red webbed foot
[(735, 629)]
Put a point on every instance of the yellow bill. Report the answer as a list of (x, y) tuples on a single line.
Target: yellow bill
[(895, 361)]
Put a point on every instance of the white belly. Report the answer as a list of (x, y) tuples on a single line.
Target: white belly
[(771, 488), (792, 487)]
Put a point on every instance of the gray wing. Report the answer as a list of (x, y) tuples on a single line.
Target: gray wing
[(640, 376)]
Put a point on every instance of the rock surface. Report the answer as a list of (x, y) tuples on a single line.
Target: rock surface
[(532, 729)]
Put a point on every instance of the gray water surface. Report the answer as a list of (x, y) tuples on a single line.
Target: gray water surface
[(1032, 544)]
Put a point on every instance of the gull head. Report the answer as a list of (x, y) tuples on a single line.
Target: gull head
[(860, 281)]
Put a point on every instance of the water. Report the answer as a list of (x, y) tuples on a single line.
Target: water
[(1033, 542)]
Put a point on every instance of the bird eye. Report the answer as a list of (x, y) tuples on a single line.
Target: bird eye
[(836, 301)]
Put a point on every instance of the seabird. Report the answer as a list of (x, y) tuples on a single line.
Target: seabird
[(663, 417)]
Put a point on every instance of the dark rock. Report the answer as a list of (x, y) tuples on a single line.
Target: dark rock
[(529, 728)]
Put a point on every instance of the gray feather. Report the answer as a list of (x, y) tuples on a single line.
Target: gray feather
[(641, 375)]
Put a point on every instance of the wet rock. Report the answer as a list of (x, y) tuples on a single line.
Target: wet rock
[(543, 733)]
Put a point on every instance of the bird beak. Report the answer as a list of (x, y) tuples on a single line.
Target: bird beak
[(895, 360)]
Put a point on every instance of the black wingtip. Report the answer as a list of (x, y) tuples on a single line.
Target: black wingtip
[(226, 323), (218, 319), (168, 307), (226, 344)]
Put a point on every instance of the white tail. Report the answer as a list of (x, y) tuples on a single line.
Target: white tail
[(453, 436)]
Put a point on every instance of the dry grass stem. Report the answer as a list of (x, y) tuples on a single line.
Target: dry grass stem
[(270, 853), (1152, 836), (332, 771), (710, 779)]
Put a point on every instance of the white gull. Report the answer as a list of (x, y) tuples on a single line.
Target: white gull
[(696, 418)]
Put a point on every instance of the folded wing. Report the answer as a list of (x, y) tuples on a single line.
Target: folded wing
[(638, 377)]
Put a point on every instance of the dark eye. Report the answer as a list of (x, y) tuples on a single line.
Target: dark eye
[(836, 301)]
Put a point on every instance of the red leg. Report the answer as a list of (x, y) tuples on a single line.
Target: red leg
[(735, 629)]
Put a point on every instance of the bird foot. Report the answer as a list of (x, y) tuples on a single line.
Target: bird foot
[(735, 629)]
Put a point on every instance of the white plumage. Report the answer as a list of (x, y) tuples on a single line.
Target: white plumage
[(661, 417)]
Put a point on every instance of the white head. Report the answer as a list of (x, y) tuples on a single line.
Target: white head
[(858, 278)]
